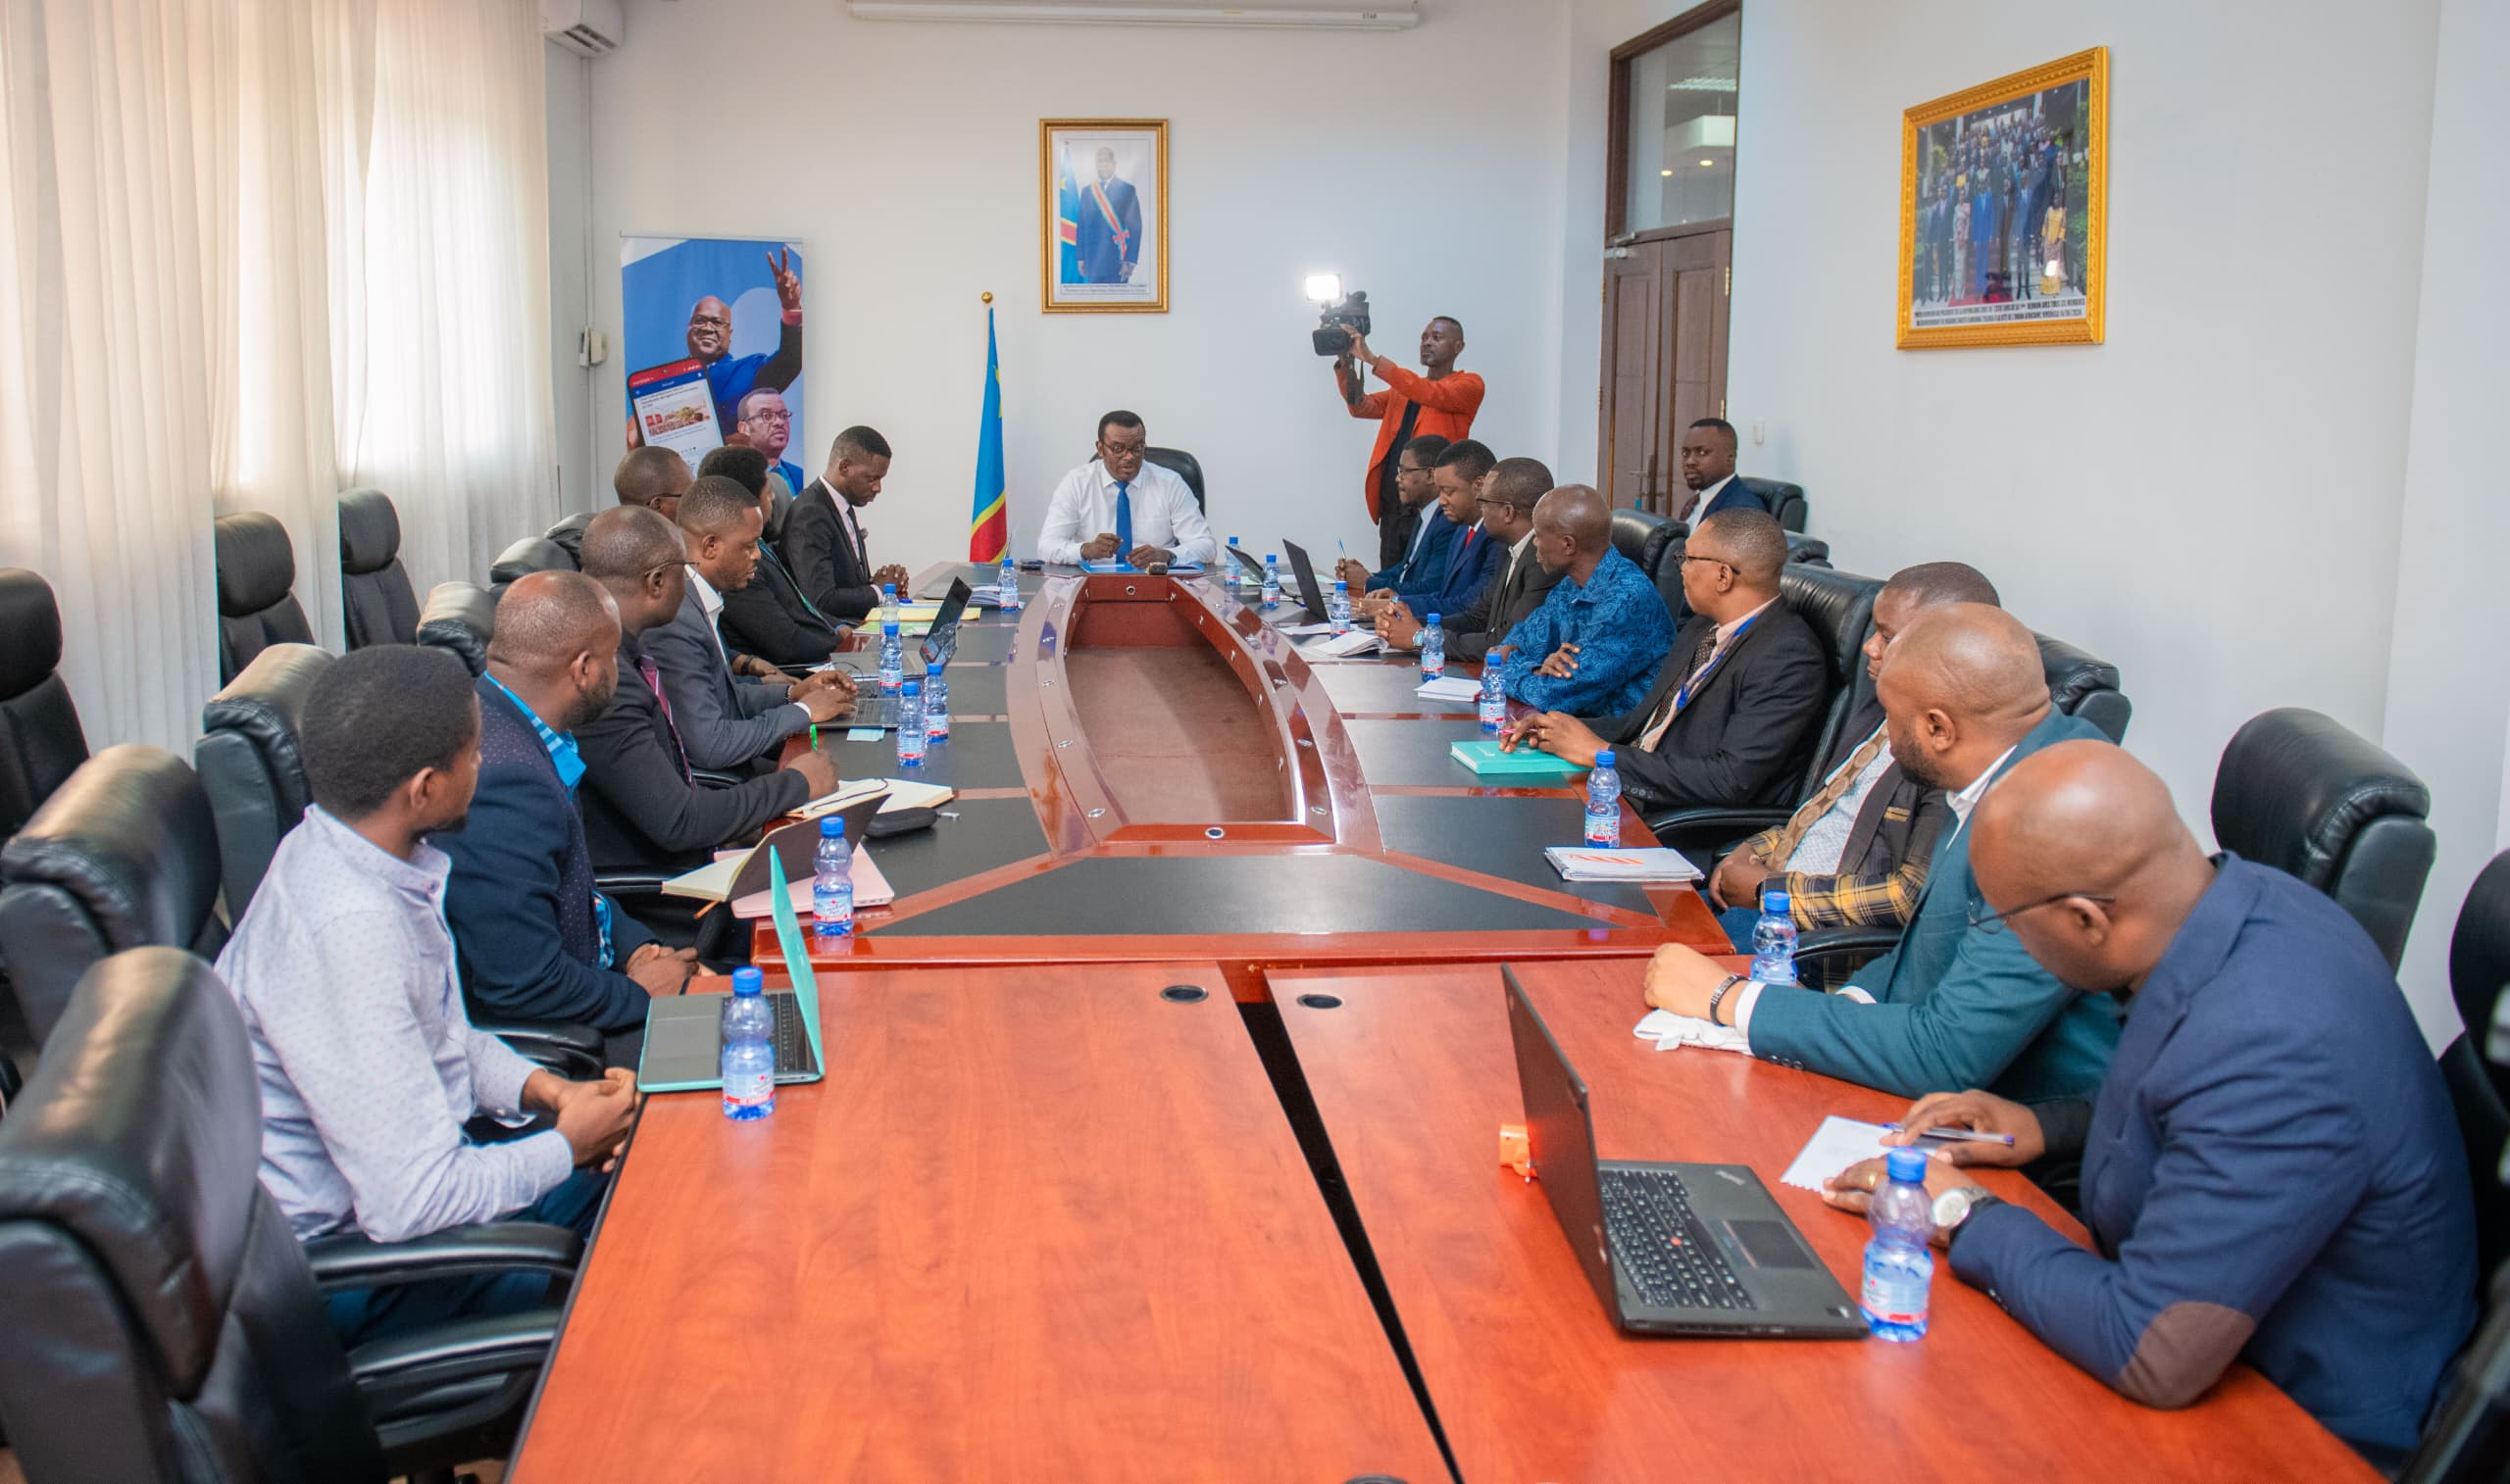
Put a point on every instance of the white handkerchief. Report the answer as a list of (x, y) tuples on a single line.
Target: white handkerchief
[(1669, 1030)]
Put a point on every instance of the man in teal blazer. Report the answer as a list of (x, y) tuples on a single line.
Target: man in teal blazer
[(1959, 1003)]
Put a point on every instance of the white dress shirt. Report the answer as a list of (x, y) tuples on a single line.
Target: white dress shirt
[(1707, 497), (1164, 515)]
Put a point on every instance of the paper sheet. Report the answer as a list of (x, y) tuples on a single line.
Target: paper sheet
[(1669, 1030), (1834, 1146)]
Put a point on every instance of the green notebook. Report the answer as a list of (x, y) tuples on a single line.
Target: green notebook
[(1485, 760)]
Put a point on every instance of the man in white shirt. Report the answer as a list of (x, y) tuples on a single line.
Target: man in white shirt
[(1121, 506)]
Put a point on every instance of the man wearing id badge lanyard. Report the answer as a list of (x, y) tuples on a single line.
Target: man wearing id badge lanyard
[(1731, 718)]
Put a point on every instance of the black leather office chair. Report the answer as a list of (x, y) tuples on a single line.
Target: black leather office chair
[(2298, 792), (460, 617), (1807, 551), (2479, 1087), (2082, 686), (123, 855), (1642, 536), (1177, 462), (41, 742), (163, 1323), (1784, 500), (248, 762), (256, 606), (569, 535), (375, 590), (532, 553)]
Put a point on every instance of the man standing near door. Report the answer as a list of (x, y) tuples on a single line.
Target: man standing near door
[(1440, 400)]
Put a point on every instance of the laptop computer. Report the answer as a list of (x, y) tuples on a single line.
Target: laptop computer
[(1672, 1249), (941, 643), (685, 1033), (1308, 592)]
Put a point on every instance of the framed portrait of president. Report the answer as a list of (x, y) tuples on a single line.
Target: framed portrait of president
[(1103, 194), (2004, 210)]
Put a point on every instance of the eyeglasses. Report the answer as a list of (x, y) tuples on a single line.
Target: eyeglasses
[(1995, 924), (719, 321), (1688, 560), (767, 417)]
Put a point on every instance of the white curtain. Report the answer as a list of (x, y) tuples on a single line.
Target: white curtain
[(253, 252)]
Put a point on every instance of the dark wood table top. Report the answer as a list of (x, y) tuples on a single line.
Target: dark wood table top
[(1038, 1223), (1413, 1073)]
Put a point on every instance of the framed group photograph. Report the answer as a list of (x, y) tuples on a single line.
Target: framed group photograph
[(1103, 191), (2002, 210)]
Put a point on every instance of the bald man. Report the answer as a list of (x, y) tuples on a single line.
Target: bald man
[(2271, 1170), (652, 477), (535, 939), (1596, 641), (1956, 1005)]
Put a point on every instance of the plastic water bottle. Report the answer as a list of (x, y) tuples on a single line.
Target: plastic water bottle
[(1433, 649), (1898, 1269), (1338, 607), (1603, 804), (749, 1049), (888, 603), (1229, 569), (936, 705), (1773, 940), (892, 657), (832, 881), (1006, 585), (1494, 698), (1272, 580), (911, 726)]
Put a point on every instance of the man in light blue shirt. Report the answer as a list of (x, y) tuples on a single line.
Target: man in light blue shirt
[(344, 971)]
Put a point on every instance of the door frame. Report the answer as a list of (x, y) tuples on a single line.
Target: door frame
[(1617, 121)]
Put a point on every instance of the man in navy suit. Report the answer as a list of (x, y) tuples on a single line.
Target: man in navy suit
[(1708, 472), (1110, 225)]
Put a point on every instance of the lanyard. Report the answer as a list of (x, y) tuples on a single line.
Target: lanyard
[(1681, 697)]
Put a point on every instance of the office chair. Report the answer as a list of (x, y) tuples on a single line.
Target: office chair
[(248, 762), (1643, 536), (1183, 464), (163, 1321), (256, 609), (41, 742), (532, 553), (460, 617), (375, 590), (2480, 1087), (568, 537), (1783, 500), (1807, 551), (125, 855), (2298, 792), (2083, 686)]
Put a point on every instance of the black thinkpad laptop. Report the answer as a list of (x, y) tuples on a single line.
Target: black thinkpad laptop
[(1308, 592), (1672, 1249)]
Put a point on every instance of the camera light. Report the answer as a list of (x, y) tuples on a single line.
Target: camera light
[(1325, 288)]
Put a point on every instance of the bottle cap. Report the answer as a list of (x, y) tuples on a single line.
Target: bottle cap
[(1907, 1166), (1603, 759), (1775, 900), (1433, 620), (746, 981), (914, 690), (1341, 586), (1271, 557), (831, 826)]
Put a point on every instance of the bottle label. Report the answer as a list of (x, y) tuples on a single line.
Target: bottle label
[(1894, 1297), (749, 1088), (1603, 831)]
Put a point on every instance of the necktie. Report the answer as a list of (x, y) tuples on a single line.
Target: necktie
[(1123, 520), (1833, 789), (1658, 723), (646, 667)]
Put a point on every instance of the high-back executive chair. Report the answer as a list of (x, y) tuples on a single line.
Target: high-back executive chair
[(1783, 500), (460, 617), (163, 1321), (256, 606), (375, 590), (532, 553), (1183, 464), (41, 742)]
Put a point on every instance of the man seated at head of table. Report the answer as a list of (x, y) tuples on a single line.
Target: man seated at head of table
[(1120, 507), (728, 719), (1958, 1003), (1856, 854), (1596, 641), (1732, 715), (1518, 585), (769, 616), (368, 1064), (2271, 1168), (1460, 475)]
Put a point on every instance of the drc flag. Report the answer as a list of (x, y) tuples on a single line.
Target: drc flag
[(990, 528)]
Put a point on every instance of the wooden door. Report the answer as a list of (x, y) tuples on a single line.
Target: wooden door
[(1664, 307)]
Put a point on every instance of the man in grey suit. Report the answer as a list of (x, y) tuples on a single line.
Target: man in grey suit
[(1506, 506), (725, 720)]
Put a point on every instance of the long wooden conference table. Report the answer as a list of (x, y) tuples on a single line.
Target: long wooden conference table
[(1061, 1211)]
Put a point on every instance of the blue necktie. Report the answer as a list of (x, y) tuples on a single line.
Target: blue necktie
[(1123, 520)]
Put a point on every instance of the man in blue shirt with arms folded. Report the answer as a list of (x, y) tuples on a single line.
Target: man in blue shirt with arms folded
[(1593, 646), (344, 971), (2271, 1170)]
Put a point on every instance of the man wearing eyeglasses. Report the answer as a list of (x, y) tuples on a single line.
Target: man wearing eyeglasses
[(1959, 1003), (1122, 507), (730, 378), (1520, 585), (767, 423)]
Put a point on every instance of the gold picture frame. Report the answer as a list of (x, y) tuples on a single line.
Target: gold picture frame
[(2004, 214), (1103, 249)]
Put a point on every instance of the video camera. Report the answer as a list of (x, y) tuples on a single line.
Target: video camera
[(1338, 322)]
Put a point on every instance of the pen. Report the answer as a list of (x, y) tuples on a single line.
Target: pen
[(1964, 1135), (814, 736)]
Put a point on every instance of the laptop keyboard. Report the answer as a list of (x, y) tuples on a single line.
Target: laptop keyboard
[(1661, 1247), (792, 1044)]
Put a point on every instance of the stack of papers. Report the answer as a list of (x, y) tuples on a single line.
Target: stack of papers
[(1359, 641), (1449, 688), (1579, 864)]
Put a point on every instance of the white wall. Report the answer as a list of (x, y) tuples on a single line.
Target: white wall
[(1423, 166), (581, 484)]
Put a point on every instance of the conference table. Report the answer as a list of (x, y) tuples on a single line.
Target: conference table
[(1061, 1210)]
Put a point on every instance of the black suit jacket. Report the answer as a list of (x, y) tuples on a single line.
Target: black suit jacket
[(1502, 605), (824, 560), (1746, 737), (769, 618), (639, 813)]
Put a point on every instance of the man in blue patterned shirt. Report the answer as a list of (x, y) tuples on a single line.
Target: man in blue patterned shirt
[(1593, 647)]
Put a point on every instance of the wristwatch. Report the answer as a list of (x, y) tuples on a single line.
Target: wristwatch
[(1954, 1207)]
